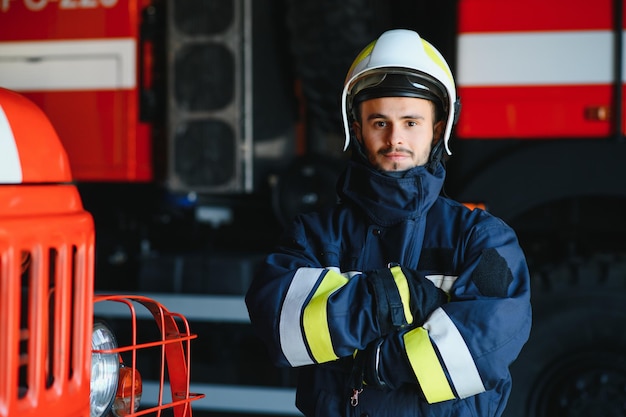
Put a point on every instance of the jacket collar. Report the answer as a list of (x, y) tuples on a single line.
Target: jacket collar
[(388, 200)]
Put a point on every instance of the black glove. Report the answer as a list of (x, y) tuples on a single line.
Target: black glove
[(387, 285), (365, 370), (367, 367)]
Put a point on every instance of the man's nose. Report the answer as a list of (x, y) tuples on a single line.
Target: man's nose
[(394, 136)]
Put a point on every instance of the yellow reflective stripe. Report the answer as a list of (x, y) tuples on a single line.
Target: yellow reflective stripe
[(426, 366), (434, 55), (315, 318), (403, 289)]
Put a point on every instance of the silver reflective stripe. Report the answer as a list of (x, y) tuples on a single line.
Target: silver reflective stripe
[(535, 58), (455, 354), (444, 282), (69, 65), (290, 329), (10, 166)]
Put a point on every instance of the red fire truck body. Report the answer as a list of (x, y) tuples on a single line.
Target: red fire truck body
[(189, 98), (517, 61), (78, 60), (544, 80)]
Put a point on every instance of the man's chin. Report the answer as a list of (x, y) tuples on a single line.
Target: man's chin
[(393, 171), (395, 167)]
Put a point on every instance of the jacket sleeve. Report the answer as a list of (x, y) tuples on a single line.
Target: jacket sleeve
[(466, 346), (307, 313)]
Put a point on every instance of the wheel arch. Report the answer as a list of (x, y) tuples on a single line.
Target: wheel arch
[(531, 176)]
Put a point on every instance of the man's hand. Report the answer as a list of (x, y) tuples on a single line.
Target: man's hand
[(403, 297)]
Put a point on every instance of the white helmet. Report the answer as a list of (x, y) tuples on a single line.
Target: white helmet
[(424, 73)]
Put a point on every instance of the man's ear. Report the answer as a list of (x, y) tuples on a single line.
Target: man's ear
[(356, 128), (438, 132)]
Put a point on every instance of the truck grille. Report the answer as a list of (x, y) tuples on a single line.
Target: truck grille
[(46, 302)]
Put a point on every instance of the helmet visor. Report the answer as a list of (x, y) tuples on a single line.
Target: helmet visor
[(396, 84)]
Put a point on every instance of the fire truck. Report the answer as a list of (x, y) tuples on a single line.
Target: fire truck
[(195, 129), (56, 359)]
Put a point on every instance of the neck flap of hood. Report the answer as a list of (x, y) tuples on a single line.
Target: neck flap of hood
[(386, 199)]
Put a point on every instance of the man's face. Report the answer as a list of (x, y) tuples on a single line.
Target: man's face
[(397, 132)]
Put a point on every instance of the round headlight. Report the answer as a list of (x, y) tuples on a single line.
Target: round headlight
[(105, 368)]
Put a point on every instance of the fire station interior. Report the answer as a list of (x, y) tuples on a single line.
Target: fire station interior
[(202, 231), (234, 166)]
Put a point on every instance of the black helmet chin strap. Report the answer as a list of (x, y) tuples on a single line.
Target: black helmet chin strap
[(436, 156), (356, 146)]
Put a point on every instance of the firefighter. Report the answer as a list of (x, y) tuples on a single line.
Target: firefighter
[(398, 301)]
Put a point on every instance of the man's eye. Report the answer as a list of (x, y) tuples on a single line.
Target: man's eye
[(380, 123)]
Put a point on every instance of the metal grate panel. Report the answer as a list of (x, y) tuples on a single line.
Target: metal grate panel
[(209, 101)]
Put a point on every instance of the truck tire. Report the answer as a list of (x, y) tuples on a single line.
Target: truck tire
[(574, 363), (326, 36)]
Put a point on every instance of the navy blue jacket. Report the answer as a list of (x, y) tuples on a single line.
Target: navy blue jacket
[(313, 304)]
